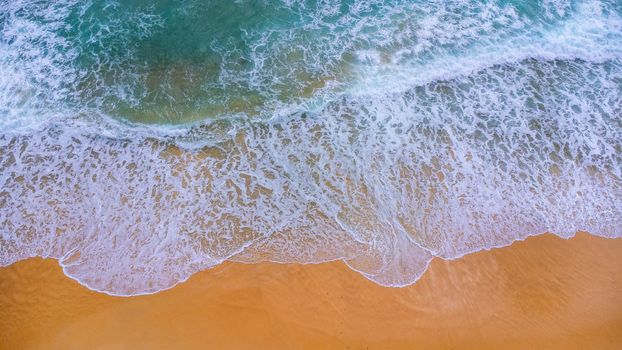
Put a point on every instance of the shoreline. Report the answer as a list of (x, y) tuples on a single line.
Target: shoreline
[(545, 292), (232, 260)]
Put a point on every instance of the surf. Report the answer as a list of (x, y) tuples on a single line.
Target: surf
[(450, 128)]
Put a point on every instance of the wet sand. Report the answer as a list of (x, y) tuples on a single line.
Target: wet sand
[(542, 293)]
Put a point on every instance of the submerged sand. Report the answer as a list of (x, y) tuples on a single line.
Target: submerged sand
[(542, 293)]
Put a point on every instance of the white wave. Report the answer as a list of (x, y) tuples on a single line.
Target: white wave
[(497, 145), (589, 34)]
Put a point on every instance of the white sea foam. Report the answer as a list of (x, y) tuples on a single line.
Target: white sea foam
[(443, 155)]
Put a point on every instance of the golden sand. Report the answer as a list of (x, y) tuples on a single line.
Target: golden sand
[(543, 293)]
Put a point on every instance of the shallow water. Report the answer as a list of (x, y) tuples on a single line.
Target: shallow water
[(143, 142)]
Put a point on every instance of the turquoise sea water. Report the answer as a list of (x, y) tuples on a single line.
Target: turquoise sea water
[(142, 141)]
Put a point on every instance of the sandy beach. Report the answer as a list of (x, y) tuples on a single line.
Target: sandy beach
[(542, 293), (293, 174)]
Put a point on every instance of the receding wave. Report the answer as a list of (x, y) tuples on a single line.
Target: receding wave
[(379, 133)]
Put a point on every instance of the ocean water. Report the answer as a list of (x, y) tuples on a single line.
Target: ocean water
[(143, 141)]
